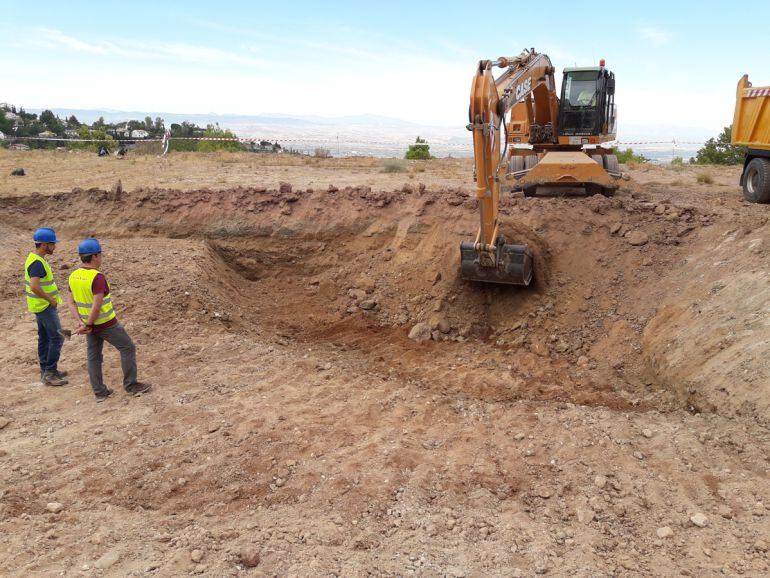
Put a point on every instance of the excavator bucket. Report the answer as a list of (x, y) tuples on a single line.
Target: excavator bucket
[(509, 264)]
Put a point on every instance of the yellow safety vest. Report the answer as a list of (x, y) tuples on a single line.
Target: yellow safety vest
[(80, 286), (34, 303)]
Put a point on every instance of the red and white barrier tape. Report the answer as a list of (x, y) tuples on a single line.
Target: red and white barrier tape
[(304, 140)]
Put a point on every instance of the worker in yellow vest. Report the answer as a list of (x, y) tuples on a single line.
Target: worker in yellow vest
[(43, 299), (90, 301)]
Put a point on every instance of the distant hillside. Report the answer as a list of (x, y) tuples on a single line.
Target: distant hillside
[(377, 135)]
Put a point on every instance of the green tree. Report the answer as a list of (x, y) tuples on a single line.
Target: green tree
[(420, 150), (6, 125), (147, 123), (48, 118), (720, 151)]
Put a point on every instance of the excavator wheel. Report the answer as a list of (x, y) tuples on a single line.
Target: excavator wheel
[(530, 161), (611, 164), (516, 164), (514, 264)]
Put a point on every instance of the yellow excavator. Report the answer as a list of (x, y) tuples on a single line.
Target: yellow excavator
[(549, 142)]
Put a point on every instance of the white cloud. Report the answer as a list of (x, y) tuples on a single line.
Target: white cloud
[(654, 35), (127, 48)]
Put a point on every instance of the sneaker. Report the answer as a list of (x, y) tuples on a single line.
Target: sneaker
[(100, 397), (60, 373), (138, 387), (50, 378)]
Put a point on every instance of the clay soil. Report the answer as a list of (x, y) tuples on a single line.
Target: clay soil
[(611, 420)]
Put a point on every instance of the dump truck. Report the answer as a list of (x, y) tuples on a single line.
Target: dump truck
[(751, 128), (550, 143)]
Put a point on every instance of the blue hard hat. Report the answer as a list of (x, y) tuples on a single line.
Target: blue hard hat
[(45, 235), (89, 247)]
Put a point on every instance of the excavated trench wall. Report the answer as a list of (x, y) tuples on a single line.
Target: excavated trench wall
[(629, 297)]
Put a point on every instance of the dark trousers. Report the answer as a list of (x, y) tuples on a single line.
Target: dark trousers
[(120, 340), (49, 340)]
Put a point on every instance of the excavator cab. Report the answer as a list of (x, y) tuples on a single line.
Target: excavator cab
[(587, 102)]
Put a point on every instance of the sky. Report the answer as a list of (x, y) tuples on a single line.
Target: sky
[(676, 63)]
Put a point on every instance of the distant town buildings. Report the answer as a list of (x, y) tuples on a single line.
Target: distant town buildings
[(139, 133)]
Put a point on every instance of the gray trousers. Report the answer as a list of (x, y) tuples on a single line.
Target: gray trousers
[(120, 340)]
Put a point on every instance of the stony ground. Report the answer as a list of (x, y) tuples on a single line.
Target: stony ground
[(612, 420)]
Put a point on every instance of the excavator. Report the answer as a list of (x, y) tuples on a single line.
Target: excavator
[(549, 142)]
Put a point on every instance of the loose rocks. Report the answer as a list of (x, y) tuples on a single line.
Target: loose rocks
[(54, 507), (637, 238), (249, 556), (420, 333), (699, 520)]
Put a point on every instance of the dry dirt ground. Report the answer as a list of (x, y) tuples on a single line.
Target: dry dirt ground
[(612, 420)]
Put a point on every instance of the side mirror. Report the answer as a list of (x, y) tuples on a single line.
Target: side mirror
[(611, 85)]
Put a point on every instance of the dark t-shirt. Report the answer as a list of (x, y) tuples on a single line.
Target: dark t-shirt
[(36, 269), (100, 285)]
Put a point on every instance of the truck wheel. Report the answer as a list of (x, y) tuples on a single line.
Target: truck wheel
[(611, 164), (756, 181)]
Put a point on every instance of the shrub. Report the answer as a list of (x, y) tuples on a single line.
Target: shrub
[(213, 131), (721, 151), (393, 166), (85, 133), (705, 179), (678, 161), (420, 150), (322, 153), (628, 156)]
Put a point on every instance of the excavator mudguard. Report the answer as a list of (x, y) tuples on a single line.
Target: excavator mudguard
[(513, 263), (567, 168)]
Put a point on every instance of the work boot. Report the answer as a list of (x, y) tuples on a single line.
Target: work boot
[(60, 373), (138, 387), (101, 396), (50, 378)]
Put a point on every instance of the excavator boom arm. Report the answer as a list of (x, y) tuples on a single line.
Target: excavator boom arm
[(491, 99)]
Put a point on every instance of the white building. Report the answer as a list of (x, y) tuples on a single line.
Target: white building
[(71, 133), (139, 133)]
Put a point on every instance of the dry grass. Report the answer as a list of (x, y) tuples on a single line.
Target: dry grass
[(394, 166), (705, 178), (56, 171)]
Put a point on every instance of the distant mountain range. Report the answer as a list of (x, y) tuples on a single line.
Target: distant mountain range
[(377, 135)]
